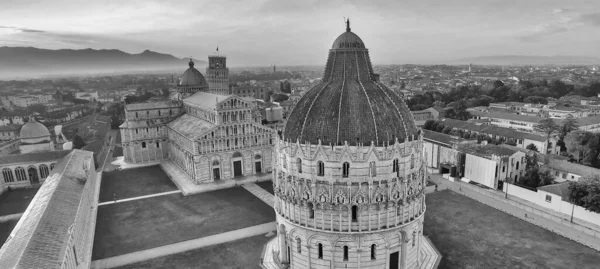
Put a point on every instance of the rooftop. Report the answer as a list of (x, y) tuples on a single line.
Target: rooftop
[(151, 105), (33, 157), (573, 168), (492, 129), (39, 240), (205, 99), (507, 116), (190, 126), (441, 138), (560, 189), (489, 150)]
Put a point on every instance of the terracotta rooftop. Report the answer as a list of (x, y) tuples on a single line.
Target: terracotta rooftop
[(40, 238), (349, 105)]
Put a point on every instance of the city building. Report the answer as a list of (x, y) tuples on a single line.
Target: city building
[(590, 124), (253, 91), (442, 153), (57, 229), (421, 116), (492, 165), (508, 120), (349, 186), (563, 170), (9, 132), (209, 136)]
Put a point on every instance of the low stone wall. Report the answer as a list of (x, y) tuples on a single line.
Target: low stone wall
[(467, 189)]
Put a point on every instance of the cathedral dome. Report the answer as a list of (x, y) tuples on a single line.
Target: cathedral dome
[(34, 129), (350, 105), (192, 77)]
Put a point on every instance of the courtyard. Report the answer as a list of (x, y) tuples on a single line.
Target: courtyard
[(5, 229), (243, 253), (267, 186), (128, 183), (469, 234), (156, 221), (16, 200)]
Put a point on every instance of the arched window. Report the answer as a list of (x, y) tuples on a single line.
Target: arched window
[(354, 213), (345, 169), (320, 168), (517, 165), (299, 165), (311, 210), (43, 171), (215, 163), (299, 245), (320, 247), (345, 253), (396, 167), (373, 253), (51, 166), (284, 162), (170, 112), (412, 161), (20, 172), (8, 175), (143, 145), (136, 114), (157, 144), (159, 113), (372, 169)]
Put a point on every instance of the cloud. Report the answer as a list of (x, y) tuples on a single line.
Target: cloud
[(562, 10), (541, 31), (592, 19), (20, 30)]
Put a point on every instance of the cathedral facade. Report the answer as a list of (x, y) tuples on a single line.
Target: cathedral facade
[(349, 174), (209, 134)]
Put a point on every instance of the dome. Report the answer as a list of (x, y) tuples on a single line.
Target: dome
[(33, 129), (192, 77), (350, 105)]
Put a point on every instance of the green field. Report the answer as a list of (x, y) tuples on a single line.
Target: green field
[(128, 183), (16, 200)]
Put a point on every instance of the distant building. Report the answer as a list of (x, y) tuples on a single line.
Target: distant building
[(257, 92), (421, 116), (508, 120), (491, 165), (9, 132), (442, 153)]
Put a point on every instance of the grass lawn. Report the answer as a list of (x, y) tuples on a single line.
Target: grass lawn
[(469, 234), (267, 185), (134, 182), (147, 223), (243, 253), (16, 200), (118, 151), (5, 229)]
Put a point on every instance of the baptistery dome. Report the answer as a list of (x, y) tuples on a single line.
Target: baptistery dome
[(33, 130), (350, 105), (192, 77)]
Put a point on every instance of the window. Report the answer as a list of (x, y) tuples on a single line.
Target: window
[(548, 198), (517, 165), (354, 213), (299, 165), (159, 113), (157, 144), (8, 175), (136, 131), (299, 245), (503, 168), (43, 171), (320, 168), (170, 112), (372, 169), (412, 161), (373, 254), (345, 253), (143, 145), (564, 175), (396, 167), (556, 173), (311, 211), (345, 169), (320, 247), (136, 114), (20, 172)]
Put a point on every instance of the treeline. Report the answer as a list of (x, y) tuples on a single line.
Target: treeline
[(525, 91)]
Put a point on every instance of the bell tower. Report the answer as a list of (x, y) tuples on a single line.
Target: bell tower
[(217, 75)]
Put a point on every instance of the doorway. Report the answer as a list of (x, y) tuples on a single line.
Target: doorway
[(394, 258), (237, 169), (216, 174), (258, 167), (33, 176)]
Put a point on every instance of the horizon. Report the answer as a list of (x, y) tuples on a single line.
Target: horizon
[(395, 33)]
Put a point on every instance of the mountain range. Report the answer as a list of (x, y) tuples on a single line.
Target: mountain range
[(528, 60), (29, 62)]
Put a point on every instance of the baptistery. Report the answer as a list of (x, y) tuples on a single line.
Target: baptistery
[(349, 177)]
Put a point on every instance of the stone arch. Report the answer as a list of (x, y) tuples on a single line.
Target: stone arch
[(237, 154)]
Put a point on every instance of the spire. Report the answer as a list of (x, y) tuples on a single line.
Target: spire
[(191, 63), (348, 25)]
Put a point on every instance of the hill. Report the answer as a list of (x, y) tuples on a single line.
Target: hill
[(528, 60), (29, 62)]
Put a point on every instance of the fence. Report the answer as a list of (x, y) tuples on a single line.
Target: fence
[(558, 225)]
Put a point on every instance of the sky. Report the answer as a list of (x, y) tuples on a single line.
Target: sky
[(300, 32)]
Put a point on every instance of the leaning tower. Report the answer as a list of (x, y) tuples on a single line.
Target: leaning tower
[(349, 174), (217, 75)]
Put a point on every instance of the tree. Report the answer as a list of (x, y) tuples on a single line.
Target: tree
[(581, 144), (532, 147), (78, 142), (547, 126), (165, 92), (569, 124), (534, 175), (498, 83), (447, 130), (586, 193), (440, 127), (39, 108), (428, 124)]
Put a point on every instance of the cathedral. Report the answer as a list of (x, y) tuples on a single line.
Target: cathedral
[(349, 173), (209, 133)]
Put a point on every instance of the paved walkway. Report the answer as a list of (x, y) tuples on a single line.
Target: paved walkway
[(10, 217), (504, 205), (188, 187), (261, 193), (184, 246), (139, 197)]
